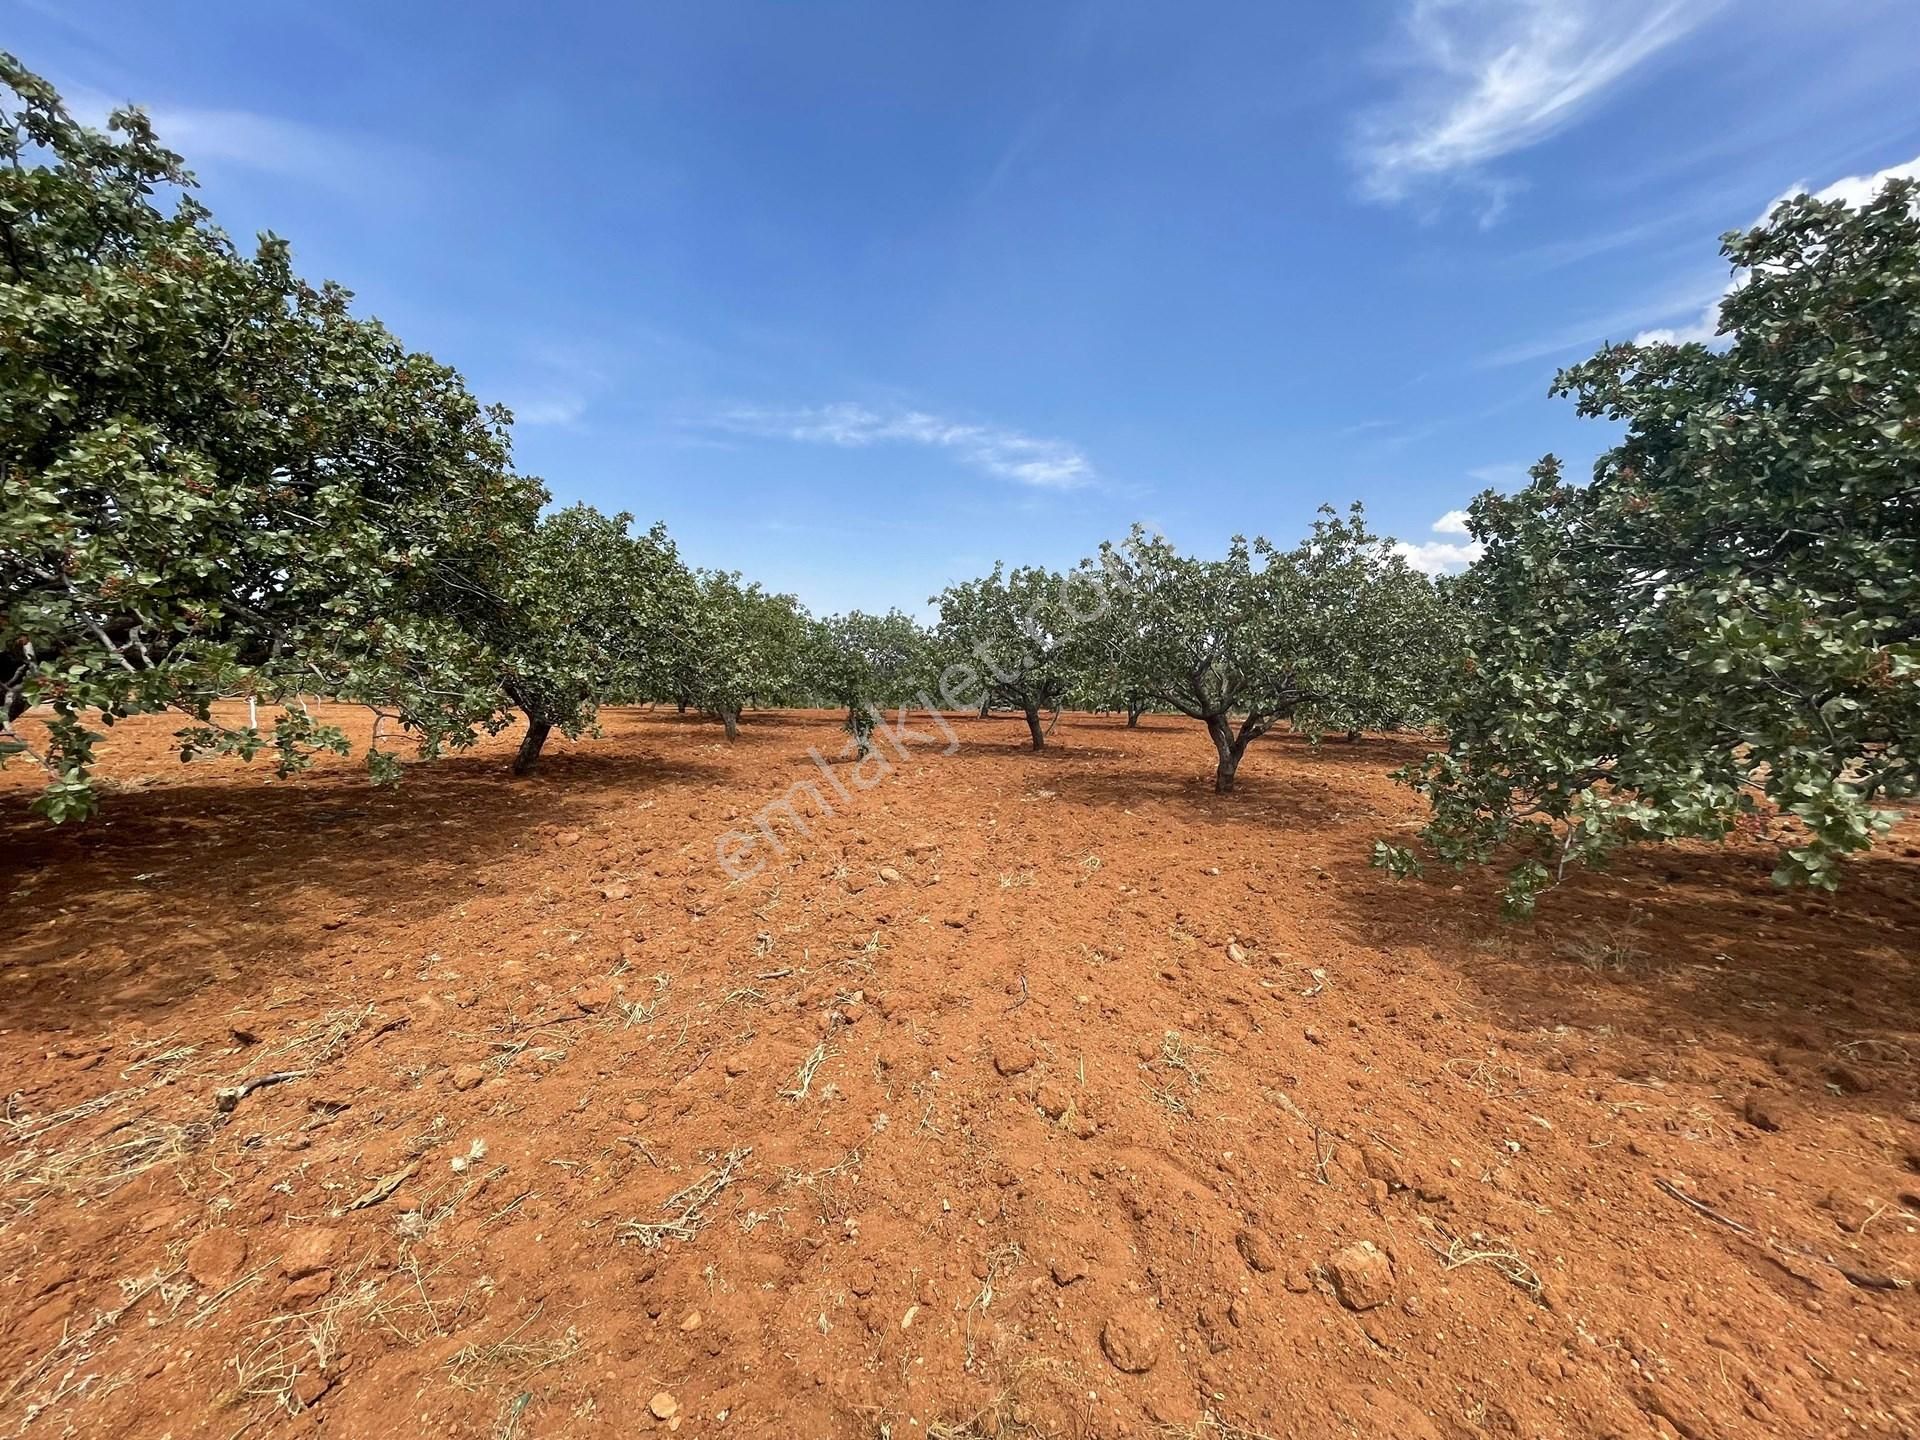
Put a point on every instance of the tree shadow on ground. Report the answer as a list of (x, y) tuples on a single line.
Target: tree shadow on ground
[(1280, 801), (1684, 944), (251, 883)]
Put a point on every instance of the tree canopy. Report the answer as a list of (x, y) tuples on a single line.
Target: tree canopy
[(863, 661), (595, 616), (1724, 625), (216, 478), (743, 646), (1021, 634), (1334, 632)]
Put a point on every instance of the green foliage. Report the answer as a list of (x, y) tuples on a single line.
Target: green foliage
[(1116, 655), (217, 480), (1337, 632), (864, 661), (743, 646), (596, 615), (1021, 634), (1723, 624)]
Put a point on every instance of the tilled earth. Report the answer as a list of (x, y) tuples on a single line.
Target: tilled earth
[(1025, 1095)]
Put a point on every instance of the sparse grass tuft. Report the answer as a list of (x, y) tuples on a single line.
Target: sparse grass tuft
[(1612, 953), (511, 1359)]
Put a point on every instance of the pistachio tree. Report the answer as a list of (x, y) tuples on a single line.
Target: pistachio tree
[(1317, 636), (1116, 652), (1022, 633), (1724, 625), (743, 646), (215, 479), (865, 661), (596, 616)]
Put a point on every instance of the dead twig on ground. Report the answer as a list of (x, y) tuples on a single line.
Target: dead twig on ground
[(809, 1067), (1477, 1249), (1700, 1207), (228, 1097), (685, 1213)]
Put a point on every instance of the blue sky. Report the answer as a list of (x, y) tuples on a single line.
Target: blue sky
[(861, 297)]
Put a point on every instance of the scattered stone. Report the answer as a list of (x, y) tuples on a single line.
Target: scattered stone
[(1067, 1269), (663, 1406), (1849, 1212), (465, 1077), (1210, 1328), (1081, 1127), (1013, 1057), (1764, 1111), (592, 998), (618, 890), (1257, 1250), (310, 1386), (863, 1278), (1848, 1079), (216, 1259), (1362, 1276), (308, 1252), (737, 1065), (692, 1320), (1131, 1343), (889, 875), (1383, 1165), (1314, 1036), (1053, 1100), (309, 1287), (1235, 953)]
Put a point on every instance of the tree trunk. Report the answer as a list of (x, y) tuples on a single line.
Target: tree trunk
[(1033, 727), (1229, 748), (536, 736), (730, 721), (680, 707), (986, 706), (1133, 717)]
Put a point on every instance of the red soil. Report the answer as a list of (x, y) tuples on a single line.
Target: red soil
[(1029, 1094)]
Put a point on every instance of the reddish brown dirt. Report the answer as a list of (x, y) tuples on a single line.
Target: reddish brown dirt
[(1112, 1083)]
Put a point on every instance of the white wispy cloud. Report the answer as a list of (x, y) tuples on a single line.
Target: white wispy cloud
[(266, 143), (211, 138), (1685, 298), (1038, 461), (1855, 190), (1442, 557), (558, 410), (1487, 78)]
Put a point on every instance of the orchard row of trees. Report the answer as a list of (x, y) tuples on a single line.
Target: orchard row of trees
[(219, 481)]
